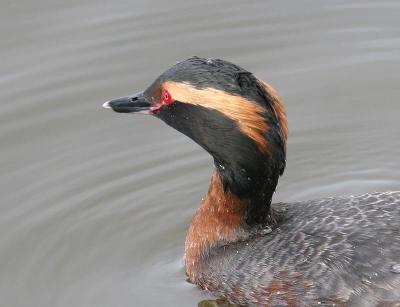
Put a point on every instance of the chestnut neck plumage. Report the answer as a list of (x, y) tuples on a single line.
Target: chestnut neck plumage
[(219, 220), (224, 217), (238, 201)]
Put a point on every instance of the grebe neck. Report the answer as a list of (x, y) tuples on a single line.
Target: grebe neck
[(220, 219)]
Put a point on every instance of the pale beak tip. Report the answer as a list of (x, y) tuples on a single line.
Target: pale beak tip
[(106, 105)]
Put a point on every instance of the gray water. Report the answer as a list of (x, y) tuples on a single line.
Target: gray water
[(94, 205)]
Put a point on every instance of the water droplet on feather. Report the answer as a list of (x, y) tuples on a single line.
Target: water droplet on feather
[(395, 268), (266, 230), (366, 280)]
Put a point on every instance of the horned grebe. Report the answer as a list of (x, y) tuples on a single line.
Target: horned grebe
[(326, 252)]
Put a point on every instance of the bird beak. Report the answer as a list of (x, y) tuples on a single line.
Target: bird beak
[(131, 104)]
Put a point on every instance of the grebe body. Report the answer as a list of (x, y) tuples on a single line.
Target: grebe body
[(328, 252)]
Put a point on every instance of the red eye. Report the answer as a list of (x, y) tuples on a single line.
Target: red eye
[(166, 97)]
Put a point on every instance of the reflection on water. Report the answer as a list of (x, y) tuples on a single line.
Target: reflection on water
[(94, 206)]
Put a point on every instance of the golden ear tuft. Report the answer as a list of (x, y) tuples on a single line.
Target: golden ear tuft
[(248, 115), (277, 108)]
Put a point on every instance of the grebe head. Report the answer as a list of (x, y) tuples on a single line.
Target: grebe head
[(231, 113)]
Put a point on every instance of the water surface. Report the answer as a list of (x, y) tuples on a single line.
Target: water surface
[(94, 205)]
